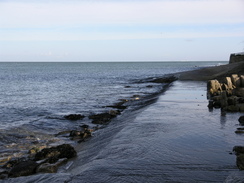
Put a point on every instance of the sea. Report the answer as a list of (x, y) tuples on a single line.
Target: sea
[(35, 97)]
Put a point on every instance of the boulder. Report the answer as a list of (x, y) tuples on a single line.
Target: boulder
[(214, 87), (235, 80), (23, 168), (58, 152), (228, 82), (74, 117)]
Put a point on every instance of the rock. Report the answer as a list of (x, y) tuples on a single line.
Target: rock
[(74, 133), (61, 151), (241, 120), (232, 108), (240, 161), (232, 100), (84, 126), (235, 80), (228, 82), (214, 87), (36, 149), (241, 107), (211, 104), (102, 118), (14, 161), (239, 131), (50, 168), (239, 92), (74, 117), (23, 168), (238, 149)]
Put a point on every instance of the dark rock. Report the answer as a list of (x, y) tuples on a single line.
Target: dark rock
[(232, 108), (210, 104), (239, 131), (238, 149), (217, 104), (240, 161), (14, 161), (23, 168), (74, 117), (241, 120), (84, 126), (75, 133), (61, 151), (102, 118)]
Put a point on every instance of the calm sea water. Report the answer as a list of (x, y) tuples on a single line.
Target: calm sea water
[(38, 94)]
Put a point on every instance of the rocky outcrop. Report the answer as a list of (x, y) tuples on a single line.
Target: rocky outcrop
[(45, 161), (227, 94), (236, 57)]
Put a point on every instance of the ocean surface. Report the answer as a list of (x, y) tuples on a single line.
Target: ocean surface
[(150, 142)]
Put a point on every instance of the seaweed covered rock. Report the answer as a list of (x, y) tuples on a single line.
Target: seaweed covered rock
[(58, 152)]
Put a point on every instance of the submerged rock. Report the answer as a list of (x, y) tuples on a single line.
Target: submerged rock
[(241, 120), (23, 168)]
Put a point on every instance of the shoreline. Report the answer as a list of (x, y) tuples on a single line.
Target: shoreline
[(196, 75)]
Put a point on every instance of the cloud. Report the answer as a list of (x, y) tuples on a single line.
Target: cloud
[(36, 14)]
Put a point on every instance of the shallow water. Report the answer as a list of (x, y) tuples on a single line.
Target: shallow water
[(176, 139)]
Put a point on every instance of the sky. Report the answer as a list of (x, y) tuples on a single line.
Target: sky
[(121, 30)]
